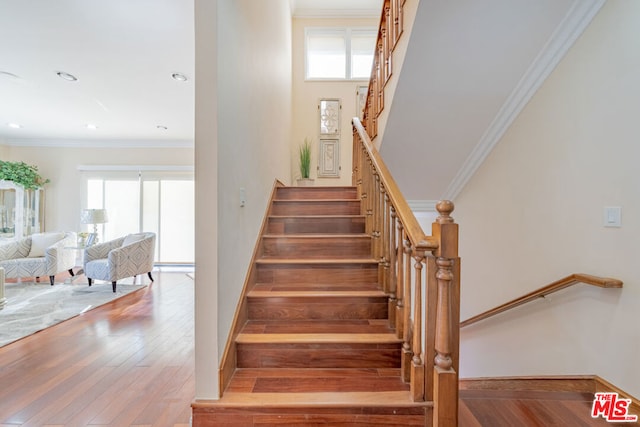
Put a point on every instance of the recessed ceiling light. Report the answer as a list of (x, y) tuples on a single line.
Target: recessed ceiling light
[(179, 77), (14, 125), (92, 126), (68, 77), (162, 127)]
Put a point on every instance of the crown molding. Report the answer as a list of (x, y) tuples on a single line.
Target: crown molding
[(335, 13), (99, 143), (137, 168), (572, 26), (422, 205)]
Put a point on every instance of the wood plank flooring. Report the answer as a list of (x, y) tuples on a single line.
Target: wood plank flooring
[(127, 363), (509, 408)]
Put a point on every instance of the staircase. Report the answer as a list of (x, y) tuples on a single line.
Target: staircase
[(313, 343)]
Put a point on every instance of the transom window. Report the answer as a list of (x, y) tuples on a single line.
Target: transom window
[(339, 53)]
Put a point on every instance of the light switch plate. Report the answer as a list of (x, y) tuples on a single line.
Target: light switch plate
[(612, 216), (243, 197)]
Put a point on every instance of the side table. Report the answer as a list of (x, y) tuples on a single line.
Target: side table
[(79, 260)]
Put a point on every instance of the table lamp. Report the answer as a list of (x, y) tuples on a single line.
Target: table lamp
[(95, 217)]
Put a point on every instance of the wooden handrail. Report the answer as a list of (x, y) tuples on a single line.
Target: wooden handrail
[(603, 282), (412, 227)]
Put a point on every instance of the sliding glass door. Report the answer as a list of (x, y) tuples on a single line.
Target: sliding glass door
[(158, 201)]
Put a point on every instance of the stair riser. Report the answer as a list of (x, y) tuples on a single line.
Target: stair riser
[(302, 225), (300, 193), (317, 274), (319, 355), (334, 417), (312, 309), (315, 207), (291, 247)]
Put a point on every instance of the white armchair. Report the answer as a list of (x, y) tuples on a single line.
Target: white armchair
[(119, 258), (41, 254)]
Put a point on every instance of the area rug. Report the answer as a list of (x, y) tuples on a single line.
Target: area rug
[(32, 306)]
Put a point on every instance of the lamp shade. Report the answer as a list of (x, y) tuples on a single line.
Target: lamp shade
[(93, 216)]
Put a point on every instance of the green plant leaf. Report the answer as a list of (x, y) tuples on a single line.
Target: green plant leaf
[(305, 158), (22, 174)]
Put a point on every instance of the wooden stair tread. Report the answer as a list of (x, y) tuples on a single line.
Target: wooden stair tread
[(315, 261), (333, 338), (316, 380), (308, 236), (315, 372), (315, 287), (315, 200), (353, 326), (322, 399), (310, 217), (315, 294)]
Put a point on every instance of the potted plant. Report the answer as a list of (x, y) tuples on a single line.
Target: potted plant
[(23, 174), (304, 160)]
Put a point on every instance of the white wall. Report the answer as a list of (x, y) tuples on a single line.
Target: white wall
[(206, 200), (533, 213), (306, 95), (254, 132), (63, 195)]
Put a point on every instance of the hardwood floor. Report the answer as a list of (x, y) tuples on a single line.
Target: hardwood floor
[(508, 408), (127, 363)]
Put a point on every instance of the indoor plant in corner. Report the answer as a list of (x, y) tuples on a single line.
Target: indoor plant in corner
[(16, 176), (304, 159), (23, 174)]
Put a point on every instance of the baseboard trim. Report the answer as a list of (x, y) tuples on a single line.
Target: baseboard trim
[(575, 383), (603, 385)]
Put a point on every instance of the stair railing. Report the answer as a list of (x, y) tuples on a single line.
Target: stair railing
[(424, 298), (389, 32)]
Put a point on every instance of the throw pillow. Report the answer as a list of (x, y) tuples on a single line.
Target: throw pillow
[(41, 241), (132, 238)]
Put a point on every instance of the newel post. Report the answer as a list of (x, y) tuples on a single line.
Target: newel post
[(447, 318)]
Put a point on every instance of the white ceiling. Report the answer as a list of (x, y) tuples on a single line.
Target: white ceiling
[(123, 54), (336, 8)]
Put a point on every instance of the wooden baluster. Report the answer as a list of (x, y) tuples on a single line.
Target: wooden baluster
[(355, 161), (393, 30), (431, 298), (399, 19), (387, 35), (380, 77), (443, 329), (445, 375), (376, 221), (392, 266), (407, 354), (384, 243), (367, 196), (361, 171), (417, 365), (399, 250)]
